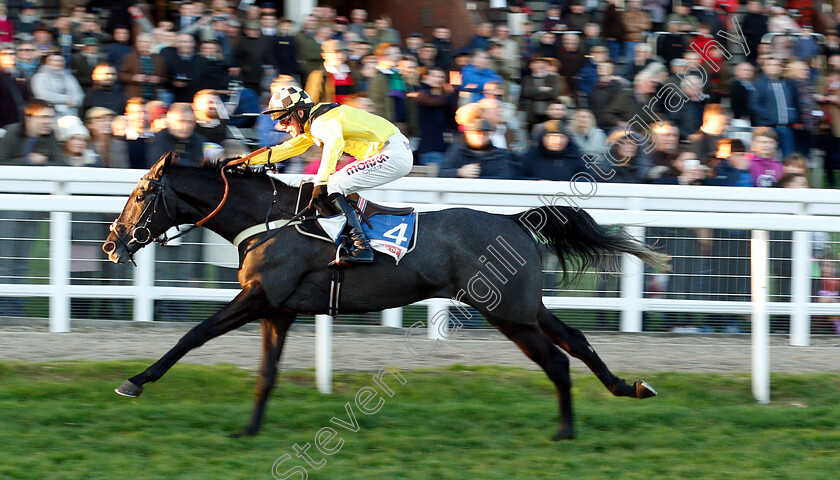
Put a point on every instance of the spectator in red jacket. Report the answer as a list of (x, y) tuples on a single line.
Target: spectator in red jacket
[(7, 28)]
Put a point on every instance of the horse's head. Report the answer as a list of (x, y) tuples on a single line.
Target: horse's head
[(146, 216)]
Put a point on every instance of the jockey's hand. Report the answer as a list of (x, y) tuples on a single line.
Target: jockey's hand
[(319, 192)]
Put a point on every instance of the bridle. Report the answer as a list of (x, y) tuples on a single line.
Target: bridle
[(140, 232), (142, 235)]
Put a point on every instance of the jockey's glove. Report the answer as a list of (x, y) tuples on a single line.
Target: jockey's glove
[(319, 193)]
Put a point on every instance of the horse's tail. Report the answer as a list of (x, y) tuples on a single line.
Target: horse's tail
[(580, 243)]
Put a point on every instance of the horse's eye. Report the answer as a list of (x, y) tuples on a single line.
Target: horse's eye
[(139, 199)]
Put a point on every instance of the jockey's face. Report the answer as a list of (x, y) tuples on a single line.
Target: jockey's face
[(292, 126)]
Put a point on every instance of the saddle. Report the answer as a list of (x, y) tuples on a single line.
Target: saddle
[(364, 206), (391, 230)]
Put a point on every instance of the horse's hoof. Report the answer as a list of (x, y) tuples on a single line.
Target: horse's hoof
[(243, 433), (643, 390), (128, 389), (564, 435)]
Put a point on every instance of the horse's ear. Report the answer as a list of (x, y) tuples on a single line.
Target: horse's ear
[(163, 163)]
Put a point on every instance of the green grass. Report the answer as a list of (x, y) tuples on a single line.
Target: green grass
[(63, 421)]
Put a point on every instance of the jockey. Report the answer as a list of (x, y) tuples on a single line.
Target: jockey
[(383, 154)]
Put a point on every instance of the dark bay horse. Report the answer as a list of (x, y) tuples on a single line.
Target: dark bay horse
[(283, 273)]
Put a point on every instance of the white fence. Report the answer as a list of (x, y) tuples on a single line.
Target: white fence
[(63, 192)]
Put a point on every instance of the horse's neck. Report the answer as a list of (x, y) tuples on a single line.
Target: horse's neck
[(248, 201)]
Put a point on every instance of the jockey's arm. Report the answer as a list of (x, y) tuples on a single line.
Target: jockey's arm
[(284, 151)]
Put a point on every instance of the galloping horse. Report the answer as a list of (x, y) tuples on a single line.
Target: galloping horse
[(283, 273)]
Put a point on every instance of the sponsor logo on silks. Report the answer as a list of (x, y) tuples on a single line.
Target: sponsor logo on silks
[(369, 163)]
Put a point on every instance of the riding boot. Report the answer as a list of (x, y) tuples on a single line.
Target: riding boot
[(362, 251)]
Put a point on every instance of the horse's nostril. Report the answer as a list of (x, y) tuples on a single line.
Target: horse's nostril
[(109, 247)]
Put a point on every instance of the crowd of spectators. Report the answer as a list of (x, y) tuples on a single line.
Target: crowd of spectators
[(561, 88)]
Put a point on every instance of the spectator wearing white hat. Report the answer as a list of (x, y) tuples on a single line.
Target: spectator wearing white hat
[(77, 152), (76, 139)]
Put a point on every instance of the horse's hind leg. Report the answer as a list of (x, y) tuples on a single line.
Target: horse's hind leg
[(534, 343), (274, 332), (573, 341), (247, 306)]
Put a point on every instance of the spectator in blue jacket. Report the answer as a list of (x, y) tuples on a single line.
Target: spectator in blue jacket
[(476, 74), (775, 104), (247, 106), (806, 46), (119, 48), (733, 169), (589, 72), (481, 40)]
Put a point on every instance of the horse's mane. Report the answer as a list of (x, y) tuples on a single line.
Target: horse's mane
[(241, 173)]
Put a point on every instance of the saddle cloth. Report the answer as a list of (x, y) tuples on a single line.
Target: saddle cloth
[(392, 231)]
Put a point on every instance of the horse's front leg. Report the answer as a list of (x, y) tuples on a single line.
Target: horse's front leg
[(274, 330), (248, 305)]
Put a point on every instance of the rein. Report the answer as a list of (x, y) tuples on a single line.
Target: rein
[(269, 227), (232, 163)]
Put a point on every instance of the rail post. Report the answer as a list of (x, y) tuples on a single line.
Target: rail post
[(760, 317), (323, 353)]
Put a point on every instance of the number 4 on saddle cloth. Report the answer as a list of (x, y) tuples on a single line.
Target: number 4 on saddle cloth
[(392, 231)]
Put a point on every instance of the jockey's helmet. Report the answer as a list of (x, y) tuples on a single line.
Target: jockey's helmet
[(288, 100)]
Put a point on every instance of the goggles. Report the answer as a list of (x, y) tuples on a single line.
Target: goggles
[(284, 117)]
